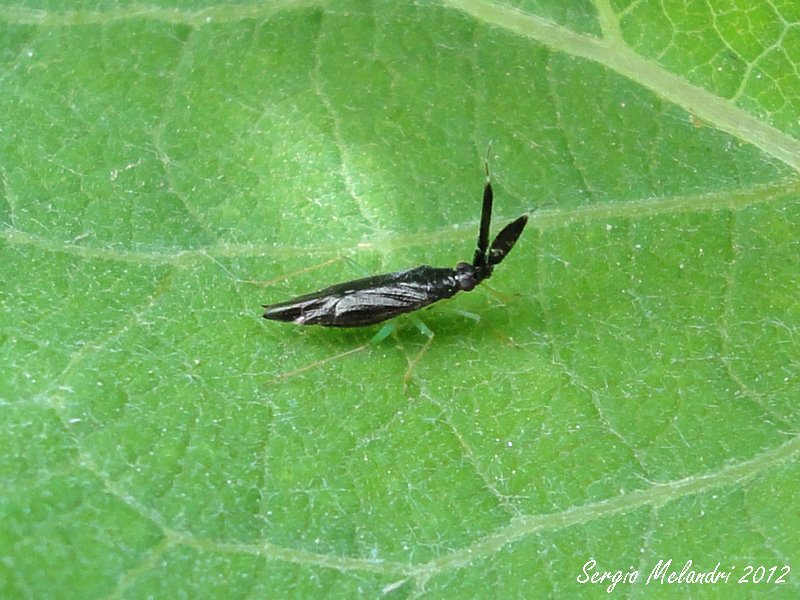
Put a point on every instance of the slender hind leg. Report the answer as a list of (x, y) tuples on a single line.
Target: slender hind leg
[(285, 275), (425, 330), (318, 363), (382, 334)]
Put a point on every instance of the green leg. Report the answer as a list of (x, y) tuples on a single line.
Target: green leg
[(390, 326), (466, 314), (315, 364), (425, 330), (383, 333), (357, 267)]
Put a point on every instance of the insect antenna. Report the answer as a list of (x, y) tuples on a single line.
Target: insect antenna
[(505, 240), (479, 262)]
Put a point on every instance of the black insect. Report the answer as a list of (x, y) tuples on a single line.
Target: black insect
[(375, 299)]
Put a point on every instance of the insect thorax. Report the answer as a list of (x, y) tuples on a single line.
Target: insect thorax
[(466, 277)]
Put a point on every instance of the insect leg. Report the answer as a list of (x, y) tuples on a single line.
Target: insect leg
[(383, 333), (500, 296), (357, 267), (318, 363), (425, 330), (466, 314), (281, 277)]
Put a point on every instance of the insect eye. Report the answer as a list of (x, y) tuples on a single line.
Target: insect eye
[(465, 276)]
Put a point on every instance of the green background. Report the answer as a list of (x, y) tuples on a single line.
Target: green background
[(630, 393)]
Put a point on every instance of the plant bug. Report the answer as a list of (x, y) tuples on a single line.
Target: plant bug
[(375, 299)]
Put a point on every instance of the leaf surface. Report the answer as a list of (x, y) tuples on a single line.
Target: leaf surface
[(628, 396)]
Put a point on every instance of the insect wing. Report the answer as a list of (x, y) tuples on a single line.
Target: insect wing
[(367, 307), (322, 300), (367, 301), (506, 239)]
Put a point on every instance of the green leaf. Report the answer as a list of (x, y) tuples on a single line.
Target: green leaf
[(629, 395)]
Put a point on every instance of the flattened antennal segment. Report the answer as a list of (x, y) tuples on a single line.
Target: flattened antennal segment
[(486, 221), (486, 217), (505, 240)]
